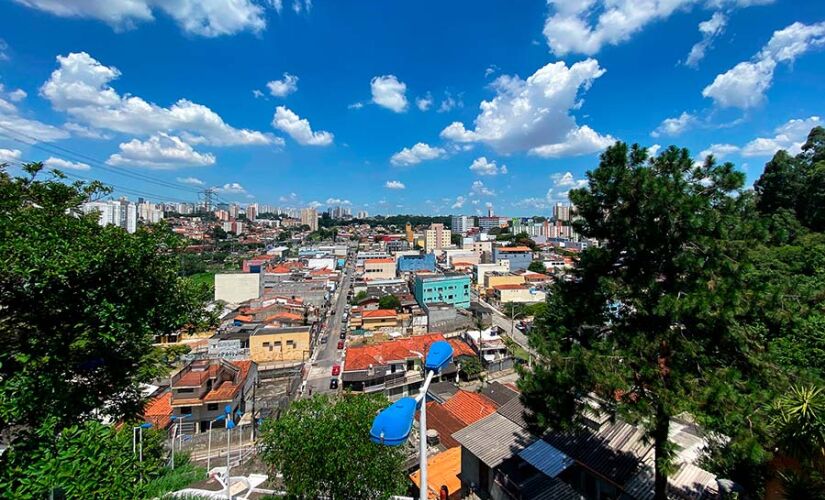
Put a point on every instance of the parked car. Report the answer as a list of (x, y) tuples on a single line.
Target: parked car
[(333, 383), (340, 344), (324, 339), (343, 335), (336, 369)]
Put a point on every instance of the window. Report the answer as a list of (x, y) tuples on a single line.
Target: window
[(278, 346), (267, 346), (186, 391), (212, 407), (290, 344), (185, 410)]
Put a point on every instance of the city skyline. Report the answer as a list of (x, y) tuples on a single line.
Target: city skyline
[(431, 124)]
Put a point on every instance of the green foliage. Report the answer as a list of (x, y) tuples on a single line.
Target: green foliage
[(88, 460), (322, 448), (649, 323), (80, 304), (471, 367), (184, 474), (456, 239), (217, 233), (389, 302), (537, 266), (359, 297), (799, 422)]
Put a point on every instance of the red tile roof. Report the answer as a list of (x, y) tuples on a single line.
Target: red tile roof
[(514, 249), (227, 390), (470, 407), (284, 316), (244, 318), (442, 421), (158, 411), (379, 261), (461, 348), (379, 313), (361, 357), (510, 287)]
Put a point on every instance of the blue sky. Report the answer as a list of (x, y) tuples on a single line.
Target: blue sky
[(398, 107)]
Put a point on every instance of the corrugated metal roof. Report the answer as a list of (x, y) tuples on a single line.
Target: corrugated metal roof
[(499, 393), (546, 488), (546, 458), (687, 483), (494, 439)]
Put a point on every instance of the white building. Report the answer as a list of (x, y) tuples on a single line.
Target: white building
[(120, 213), (460, 224)]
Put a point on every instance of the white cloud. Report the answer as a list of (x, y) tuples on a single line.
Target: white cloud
[(283, 87), (448, 103), (533, 203), (80, 87), (79, 130), (338, 201), (459, 202), (162, 151), (257, 94), (9, 155), (395, 185), (483, 166), (12, 121), (61, 164), (209, 18), (744, 86), (490, 70), (192, 181), (4, 48), (17, 95), (314, 204), (585, 26), (561, 186), (290, 198), (675, 126), (653, 150), (718, 151), (710, 30), (534, 114), (479, 189), (388, 91), (789, 136), (416, 154), (425, 102), (356, 105), (299, 129), (231, 188)]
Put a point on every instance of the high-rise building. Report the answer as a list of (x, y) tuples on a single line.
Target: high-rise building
[(363, 214), (410, 235), (119, 213), (561, 212), (460, 224), (234, 210), (436, 237), (252, 211), (490, 211), (309, 217)]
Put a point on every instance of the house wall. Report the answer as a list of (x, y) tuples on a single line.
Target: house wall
[(518, 260), (236, 288), (294, 346), (453, 290), (509, 279)]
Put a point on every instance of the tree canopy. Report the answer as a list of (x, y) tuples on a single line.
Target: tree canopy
[(537, 266), (80, 304), (389, 302), (322, 448), (649, 321)]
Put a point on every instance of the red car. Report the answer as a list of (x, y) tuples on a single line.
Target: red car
[(340, 344), (336, 369)]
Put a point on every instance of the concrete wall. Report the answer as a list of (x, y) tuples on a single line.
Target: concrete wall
[(236, 288), (294, 346)]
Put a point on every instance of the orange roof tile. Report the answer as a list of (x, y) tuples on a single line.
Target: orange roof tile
[(379, 313), (158, 411), (461, 348), (361, 357), (226, 391), (510, 286), (284, 316), (379, 261), (469, 407), (245, 318), (444, 422), (442, 469), (514, 249)]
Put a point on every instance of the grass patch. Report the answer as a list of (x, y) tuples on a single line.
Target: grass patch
[(207, 277), (517, 351), (174, 479)]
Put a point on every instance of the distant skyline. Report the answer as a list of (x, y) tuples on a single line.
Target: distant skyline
[(416, 107)]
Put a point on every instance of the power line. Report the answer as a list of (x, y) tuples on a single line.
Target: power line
[(59, 150)]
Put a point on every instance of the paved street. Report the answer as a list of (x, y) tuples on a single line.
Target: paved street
[(328, 354), (504, 323)]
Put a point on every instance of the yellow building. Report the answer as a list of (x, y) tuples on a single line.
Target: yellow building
[(410, 236), (274, 345), (492, 280), (380, 318), (437, 237), (379, 269)]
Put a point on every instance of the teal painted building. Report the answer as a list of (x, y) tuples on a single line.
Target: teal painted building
[(453, 289)]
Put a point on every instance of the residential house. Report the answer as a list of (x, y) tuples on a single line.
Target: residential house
[(519, 257), (451, 288), (379, 269), (520, 294)]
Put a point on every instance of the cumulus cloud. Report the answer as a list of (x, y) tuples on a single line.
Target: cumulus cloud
[(32, 130), (479, 189), (744, 86), (192, 181), (424, 103), (338, 201), (483, 166), (80, 87), (710, 30), (79, 130), (585, 26), (205, 18), (283, 87), (719, 151), (789, 136), (61, 164), (356, 105), (675, 126), (653, 150), (532, 203), (459, 202), (389, 92), (561, 185), (534, 115), (449, 103), (161, 151), (17, 95), (395, 185), (416, 154), (231, 188), (299, 129), (10, 155)]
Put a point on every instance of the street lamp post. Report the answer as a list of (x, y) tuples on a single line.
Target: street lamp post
[(220, 418), (138, 430), (392, 426), (230, 424), (179, 420)]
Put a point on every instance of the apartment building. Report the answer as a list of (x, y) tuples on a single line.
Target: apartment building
[(453, 289), (379, 269), (519, 257), (309, 217), (437, 237), (460, 224)]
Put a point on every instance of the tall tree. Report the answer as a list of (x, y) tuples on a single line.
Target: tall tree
[(648, 322), (80, 304), (322, 448)]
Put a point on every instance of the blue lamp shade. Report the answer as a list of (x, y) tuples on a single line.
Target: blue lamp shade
[(219, 418), (146, 425), (230, 424), (439, 355), (392, 426), (227, 409)]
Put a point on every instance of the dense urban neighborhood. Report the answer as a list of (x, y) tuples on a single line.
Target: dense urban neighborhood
[(653, 328)]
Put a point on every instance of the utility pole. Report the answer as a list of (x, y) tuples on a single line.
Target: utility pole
[(208, 194)]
